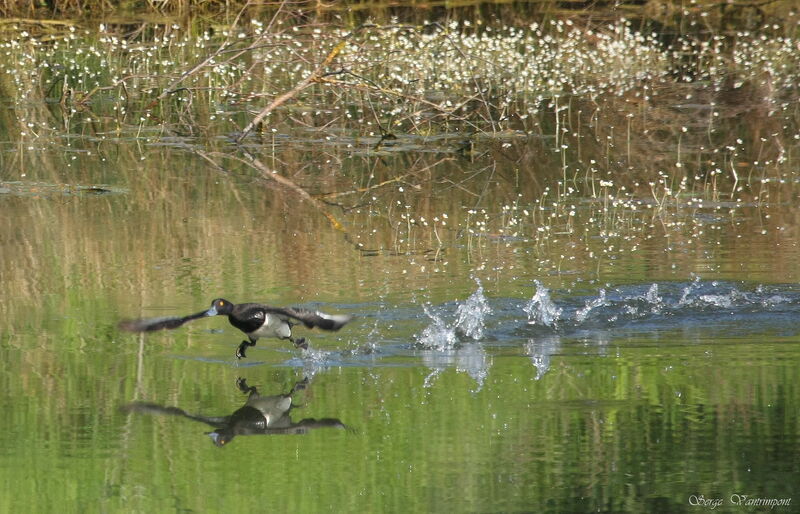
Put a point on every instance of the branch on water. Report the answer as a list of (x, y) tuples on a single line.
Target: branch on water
[(273, 176), (33, 21)]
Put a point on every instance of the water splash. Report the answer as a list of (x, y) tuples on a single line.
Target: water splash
[(313, 361), (600, 301), (692, 298), (688, 292), (664, 306), (724, 301), (435, 372), (540, 309), (442, 340), (438, 335), (469, 323), (371, 345), (640, 305), (464, 336), (774, 300), (472, 313), (651, 296)]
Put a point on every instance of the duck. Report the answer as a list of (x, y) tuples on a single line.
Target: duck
[(256, 320)]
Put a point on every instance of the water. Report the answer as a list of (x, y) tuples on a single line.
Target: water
[(520, 343)]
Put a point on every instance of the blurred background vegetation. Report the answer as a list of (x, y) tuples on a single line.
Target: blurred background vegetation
[(663, 16)]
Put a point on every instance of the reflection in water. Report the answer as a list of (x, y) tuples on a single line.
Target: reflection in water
[(442, 340), (540, 350), (542, 311), (260, 415), (470, 358)]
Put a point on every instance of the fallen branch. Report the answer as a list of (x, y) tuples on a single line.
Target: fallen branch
[(33, 21), (273, 176)]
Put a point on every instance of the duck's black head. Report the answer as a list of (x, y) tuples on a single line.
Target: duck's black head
[(220, 306), (221, 436)]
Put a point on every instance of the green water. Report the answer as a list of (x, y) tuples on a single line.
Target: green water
[(619, 420), (663, 376)]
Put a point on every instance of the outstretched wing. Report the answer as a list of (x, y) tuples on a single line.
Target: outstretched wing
[(151, 324), (154, 408), (313, 319)]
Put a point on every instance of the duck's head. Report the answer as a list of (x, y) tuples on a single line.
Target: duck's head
[(221, 436), (220, 306)]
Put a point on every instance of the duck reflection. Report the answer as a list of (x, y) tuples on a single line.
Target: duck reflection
[(260, 415)]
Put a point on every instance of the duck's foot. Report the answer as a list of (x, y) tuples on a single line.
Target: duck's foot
[(299, 386), (241, 383), (300, 343), (240, 352)]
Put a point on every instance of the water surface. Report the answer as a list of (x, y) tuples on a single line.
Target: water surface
[(524, 339)]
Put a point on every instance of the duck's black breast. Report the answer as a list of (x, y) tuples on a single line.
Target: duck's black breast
[(248, 317), (248, 418)]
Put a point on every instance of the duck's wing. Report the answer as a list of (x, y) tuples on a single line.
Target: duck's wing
[(306, 425), (312, 319), (151, 324), (154, 408)]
